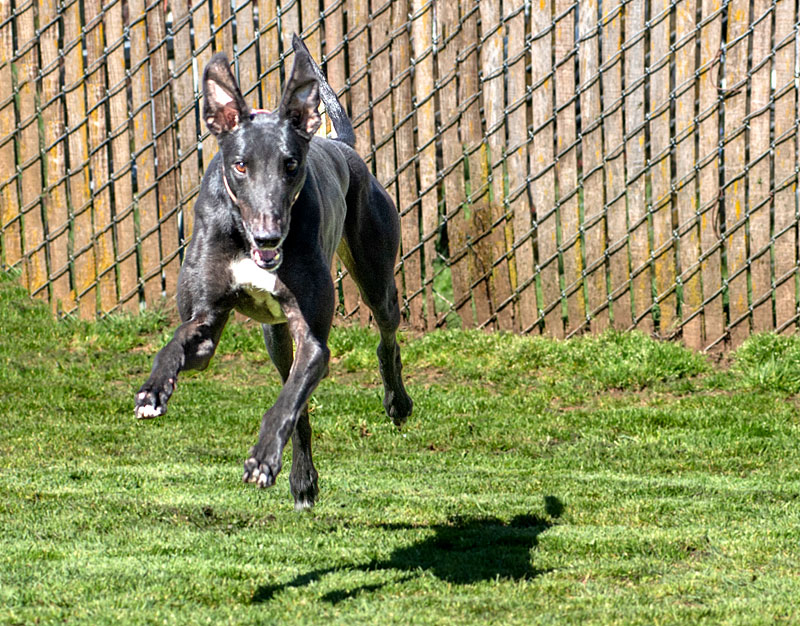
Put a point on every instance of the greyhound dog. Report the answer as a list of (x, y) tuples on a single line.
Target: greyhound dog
[(274, 205)]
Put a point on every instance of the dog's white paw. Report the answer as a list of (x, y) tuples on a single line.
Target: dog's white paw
[(259, 478), (258, 473), (303, 504), (147, 411)]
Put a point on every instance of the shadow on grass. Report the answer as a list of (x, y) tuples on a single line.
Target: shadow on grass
[(461, 552)]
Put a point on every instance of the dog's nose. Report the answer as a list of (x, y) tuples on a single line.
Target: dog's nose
[(267, 240)]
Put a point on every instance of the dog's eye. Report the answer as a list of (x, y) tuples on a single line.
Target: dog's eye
[(291, 165), (240, 167)]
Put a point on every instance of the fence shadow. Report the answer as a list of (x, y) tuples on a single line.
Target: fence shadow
[(462, 551)]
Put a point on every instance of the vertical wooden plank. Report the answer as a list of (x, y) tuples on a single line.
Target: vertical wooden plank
[(491, 55), (222, 24), (245, 51), (422, 38), (289, 25), (144, 149), (166, 182), (406, 176), (708, 165), (10, 229), (82, 250), (54, 155), (594, 209), (517, 168), (358, 48), (784, 163), (312, 27), (125, 229), (451, 42), (641, 290), (567, 164), (95, 84), (613, 144), (188, 134), (381, 96), (758, 179), (542, 169), (186, 107), (660, 166), (734, 154), (685, 159), (269, 49), (480, 257), (358, 75), (26, 68), (334, 46)]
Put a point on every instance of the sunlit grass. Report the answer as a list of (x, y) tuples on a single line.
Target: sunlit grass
[(609, 479)]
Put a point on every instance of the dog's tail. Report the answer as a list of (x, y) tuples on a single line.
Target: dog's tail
[(341, 122)]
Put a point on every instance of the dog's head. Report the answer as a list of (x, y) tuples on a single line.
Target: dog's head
[(263, 155)]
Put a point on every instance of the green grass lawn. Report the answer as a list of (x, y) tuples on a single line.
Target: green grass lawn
[(603, 480)]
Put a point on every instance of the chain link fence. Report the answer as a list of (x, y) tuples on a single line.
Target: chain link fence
[(559, 166)]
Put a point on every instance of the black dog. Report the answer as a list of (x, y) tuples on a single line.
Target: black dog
[(274, 206)]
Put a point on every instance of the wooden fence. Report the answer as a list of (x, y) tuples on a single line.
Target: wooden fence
[(559, 166)]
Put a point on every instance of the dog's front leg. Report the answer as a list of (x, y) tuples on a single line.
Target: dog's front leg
[(309, 367), (191, 347)]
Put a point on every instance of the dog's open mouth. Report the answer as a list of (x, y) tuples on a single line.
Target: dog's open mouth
[(267, 259)]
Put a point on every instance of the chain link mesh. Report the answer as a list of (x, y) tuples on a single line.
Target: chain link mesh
[(559, 166)]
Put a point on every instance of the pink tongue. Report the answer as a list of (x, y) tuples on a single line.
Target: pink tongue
[(263, 258)]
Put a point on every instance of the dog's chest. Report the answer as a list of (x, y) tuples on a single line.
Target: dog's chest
[(261, 287)]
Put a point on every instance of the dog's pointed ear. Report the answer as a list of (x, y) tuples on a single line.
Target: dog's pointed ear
[(224, 107), (300, 99)]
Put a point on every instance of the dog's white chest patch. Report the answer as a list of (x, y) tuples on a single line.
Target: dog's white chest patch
[(260, 285), (248, 276)]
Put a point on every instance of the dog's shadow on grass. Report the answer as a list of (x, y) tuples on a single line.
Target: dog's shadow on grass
[(462, 551)]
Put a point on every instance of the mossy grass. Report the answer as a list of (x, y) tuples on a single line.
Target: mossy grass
[(609, 479)]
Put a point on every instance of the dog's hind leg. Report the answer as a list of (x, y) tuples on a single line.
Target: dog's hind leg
[(369, 250), (303, 478)]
